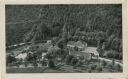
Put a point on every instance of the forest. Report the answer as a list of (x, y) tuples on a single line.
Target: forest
[(99, 25)]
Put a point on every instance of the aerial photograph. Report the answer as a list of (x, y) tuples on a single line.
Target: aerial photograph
[(64, 38)]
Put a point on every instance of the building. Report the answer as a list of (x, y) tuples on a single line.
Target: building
[(88, 54), (81, 46), (85, 55), (47, 45), (49, 41), (92, 51)]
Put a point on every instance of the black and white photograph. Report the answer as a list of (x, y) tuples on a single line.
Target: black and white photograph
[(64, 38)]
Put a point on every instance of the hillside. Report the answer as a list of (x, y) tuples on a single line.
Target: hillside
[(75, 38), (39, 22)]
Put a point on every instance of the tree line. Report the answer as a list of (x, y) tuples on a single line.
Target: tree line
[(99, 25)]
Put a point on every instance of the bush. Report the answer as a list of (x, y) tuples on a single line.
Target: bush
[(104, 63), (79, 63), (118, 67), (120, 56), (26, 64), (101, 51), (51, 64), (112, 54), (68, 59), (117, 55), (10, 59), (74, 61), (35, 64), (110, 66), (44, 63), (90, 71), (99, 69), (76, 48), (109, 54), (74, 67), (87, 61), (93, 67), (113, 62)]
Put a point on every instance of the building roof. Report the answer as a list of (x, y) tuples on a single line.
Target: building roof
[(78, 44), (47, 45), (21, 56), (91, 50), (77, 54), (53, 49)]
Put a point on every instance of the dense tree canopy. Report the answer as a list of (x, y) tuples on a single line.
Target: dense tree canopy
[(89, 18), (99, 24)]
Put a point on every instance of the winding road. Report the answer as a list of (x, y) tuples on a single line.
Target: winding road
[(93, 49)]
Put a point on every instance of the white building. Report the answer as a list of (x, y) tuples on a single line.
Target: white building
[(81, 46), (93, 51)]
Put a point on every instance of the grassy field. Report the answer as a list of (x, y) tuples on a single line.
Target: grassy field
[(62, 69), (26, 70)]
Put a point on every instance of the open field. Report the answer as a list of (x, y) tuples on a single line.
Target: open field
[(62, 69)]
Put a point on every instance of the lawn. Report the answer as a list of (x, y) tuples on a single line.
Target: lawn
[(91, 67), (26, 70)]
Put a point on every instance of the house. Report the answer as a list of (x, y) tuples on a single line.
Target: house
[(47, 44), (21, 44), (43, 55), (49, 41), (21, 56), (83, 54), (72, 44), (92, 51), (88, 54), (53, 49)]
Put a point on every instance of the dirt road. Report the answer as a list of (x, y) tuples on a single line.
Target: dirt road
[(93, 49)]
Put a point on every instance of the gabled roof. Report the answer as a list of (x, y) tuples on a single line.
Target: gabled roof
[(78, 43)]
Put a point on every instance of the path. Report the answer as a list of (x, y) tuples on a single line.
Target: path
[(108, 60)]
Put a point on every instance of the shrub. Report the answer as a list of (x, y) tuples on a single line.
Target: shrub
[(118, 67), (109, 54), (93, 67), (104, 63), (90, 71), (101, 51), (35, 64), (74, 61), (10, 59), (117, 55), (120, 56), (76, 48), (44, 63), (99, 69), (51, 64), (68, 59), (74, 67), (113, 61), (79, 63), (110, 66), (26, 64)]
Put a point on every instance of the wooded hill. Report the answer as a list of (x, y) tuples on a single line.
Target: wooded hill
[(86, 22)]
